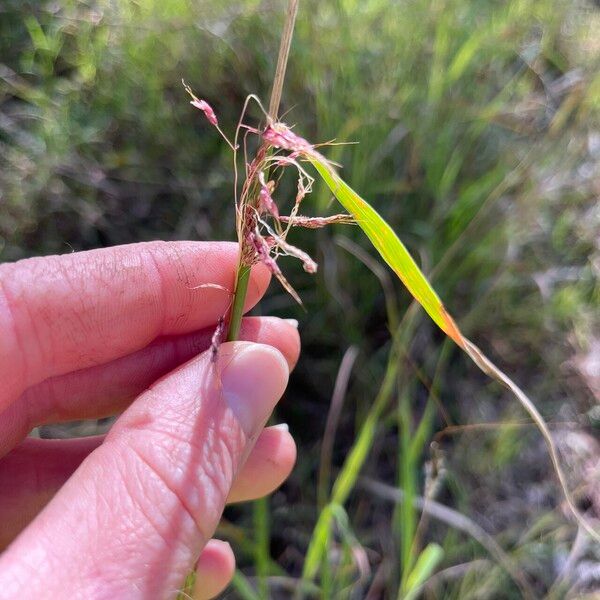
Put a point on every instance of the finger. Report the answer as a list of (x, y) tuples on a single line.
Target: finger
[(33, 472), (106, 390), (150, 497), (268, 466), (214, 570), (62, 313)]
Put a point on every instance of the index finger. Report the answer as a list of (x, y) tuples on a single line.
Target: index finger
[(63, 313)]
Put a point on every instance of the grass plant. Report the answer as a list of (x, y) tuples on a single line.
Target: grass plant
[(475, 124)]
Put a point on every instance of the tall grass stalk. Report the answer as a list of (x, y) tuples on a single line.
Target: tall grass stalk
[(262, 539), (405, 521), (243, 270), (261, 506)]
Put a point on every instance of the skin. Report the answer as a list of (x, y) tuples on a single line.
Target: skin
[(127, 331)]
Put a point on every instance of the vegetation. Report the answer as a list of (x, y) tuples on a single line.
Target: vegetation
[(477, 130)]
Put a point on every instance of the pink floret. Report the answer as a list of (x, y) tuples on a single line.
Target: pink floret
[(281, 136), (264, 252), (206, 108), (267, 204)]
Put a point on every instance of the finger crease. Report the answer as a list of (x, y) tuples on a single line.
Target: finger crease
[(179, 497), (162, 293)]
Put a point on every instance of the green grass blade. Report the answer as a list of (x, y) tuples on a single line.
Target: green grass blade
[(243, 587), (426, 563), (391, 249), (405, 515), (262, 536), (350, 471), (318, 544), (466, 54)]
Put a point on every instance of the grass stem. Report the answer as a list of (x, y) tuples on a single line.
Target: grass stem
[(243, 272), (239, 297)]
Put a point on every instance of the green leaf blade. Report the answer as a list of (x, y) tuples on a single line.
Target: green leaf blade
[(426, 564), (390, 247)]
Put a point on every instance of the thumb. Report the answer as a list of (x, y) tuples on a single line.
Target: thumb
[(134, 517)]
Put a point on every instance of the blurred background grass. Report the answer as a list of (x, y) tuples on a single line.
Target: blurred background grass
[(478, 133)]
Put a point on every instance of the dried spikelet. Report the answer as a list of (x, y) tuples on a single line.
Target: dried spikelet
[(318, 222), (202, 105), (266, 202), (208, 111), (279, 135), (309, 265), (263, 251), (262, 247), (206, 108)]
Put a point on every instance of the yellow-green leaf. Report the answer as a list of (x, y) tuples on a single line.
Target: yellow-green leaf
[(391, 248), (426, 564)]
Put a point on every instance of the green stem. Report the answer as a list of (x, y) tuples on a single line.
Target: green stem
[(243, 273), (262, 543), (239, 298)]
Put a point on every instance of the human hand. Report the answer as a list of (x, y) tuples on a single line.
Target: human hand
[(90, 334)]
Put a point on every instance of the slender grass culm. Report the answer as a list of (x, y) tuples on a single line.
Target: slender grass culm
[(262, 231)]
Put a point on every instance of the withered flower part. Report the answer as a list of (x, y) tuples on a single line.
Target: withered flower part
[(203, 105), (206, 108), (309, 265), (267, 204), (263, 251), (290, 159), (262, 247), (279, 135), (317, 222)]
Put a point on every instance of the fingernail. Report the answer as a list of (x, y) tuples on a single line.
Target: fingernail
[(218, 544), (281, 427), (292, 322), (253, 380)]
